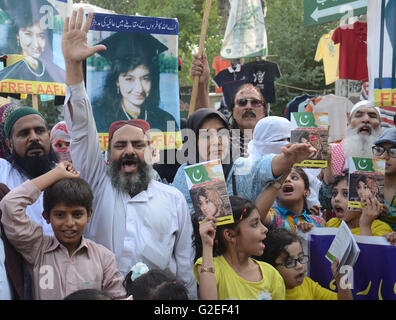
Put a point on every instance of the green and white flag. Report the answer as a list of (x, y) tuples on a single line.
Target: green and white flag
[(245, 34), (302, 120)]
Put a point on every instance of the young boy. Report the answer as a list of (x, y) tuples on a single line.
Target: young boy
[(67, 262)]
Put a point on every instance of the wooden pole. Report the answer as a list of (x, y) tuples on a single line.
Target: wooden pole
[(201, 50), (35, 101)]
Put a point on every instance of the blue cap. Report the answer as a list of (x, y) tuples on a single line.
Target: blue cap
[(389, 135)]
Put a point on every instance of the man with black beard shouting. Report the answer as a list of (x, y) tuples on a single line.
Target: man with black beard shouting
[(31, 155), (139, 219)]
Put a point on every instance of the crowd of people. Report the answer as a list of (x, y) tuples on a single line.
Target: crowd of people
[(74, 226)]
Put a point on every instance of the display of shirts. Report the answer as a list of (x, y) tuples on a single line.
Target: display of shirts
[(337, 109), (153, 227), (230, 286), (353, 51), (330, 54), (310, 290), (263, 74), (218, 65), (231, 79)]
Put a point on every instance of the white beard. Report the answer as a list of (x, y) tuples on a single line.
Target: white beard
[(358, 145)]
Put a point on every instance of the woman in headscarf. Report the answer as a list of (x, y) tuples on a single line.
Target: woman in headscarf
[(269, 136), (60, 140), (208, 139)]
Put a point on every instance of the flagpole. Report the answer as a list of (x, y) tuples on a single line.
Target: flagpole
[(200, 52)]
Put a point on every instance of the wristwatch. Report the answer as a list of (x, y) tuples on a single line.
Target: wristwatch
[(276, 184)]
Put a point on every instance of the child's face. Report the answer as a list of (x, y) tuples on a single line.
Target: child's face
[(68, 223), (251, 234), (292, 189), (293, 277), (339, 202)]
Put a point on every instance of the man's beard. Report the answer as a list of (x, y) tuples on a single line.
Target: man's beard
[(131, 183), (33, 166), (358, 145)]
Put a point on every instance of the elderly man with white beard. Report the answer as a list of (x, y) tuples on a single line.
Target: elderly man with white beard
[(364, 127)]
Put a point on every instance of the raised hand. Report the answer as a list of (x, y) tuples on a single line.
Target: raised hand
[(207, 231), (200, 68), (297, 152), (66, 169), (74, 39)]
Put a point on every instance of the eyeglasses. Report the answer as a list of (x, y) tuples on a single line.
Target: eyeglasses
[(379, 151), (293, 262), (254, 102)]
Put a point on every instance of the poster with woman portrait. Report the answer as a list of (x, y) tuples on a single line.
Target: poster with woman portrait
[(137, 76), (318, 138), (30, 46), (208, 191), (366, 178)]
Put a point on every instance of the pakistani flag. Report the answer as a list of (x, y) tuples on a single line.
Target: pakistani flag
[(245, 35), (363, 164), (197, 174), (302, 120)]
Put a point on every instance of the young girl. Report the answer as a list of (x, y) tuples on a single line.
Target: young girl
[(232, 274), (284, 252), (291, 210), (365, 222)]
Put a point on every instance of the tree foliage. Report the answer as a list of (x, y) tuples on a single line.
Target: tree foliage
[(293, 46)]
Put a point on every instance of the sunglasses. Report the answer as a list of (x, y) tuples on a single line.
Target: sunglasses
[(254, 102), (379, 151)]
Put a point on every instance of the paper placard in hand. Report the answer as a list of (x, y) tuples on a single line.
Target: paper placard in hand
[(344, 247), (208, 191)]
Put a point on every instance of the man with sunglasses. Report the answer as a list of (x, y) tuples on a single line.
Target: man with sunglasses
[(247, 106), (385, 148)]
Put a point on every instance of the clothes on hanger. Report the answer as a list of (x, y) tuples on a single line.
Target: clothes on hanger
[(329, 52), (353, 51), (337, 109), (293, 105), (219, 65), (230, 79), (263, 74)]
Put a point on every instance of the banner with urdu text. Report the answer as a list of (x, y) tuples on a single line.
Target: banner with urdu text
[(137, 76)]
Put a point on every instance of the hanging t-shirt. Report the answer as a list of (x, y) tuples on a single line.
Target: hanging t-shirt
[(330, 54), (218, 65), (263, 77), (231, 79), (353, 51), (338, 108)]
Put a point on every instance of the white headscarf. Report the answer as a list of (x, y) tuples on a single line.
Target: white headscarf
[(266, 135)]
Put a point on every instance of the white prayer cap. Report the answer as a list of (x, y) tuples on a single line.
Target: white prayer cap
[(366, 104)]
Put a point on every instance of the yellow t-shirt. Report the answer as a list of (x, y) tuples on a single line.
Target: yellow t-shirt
[(329, 52), (378, 227), (310, 290), (230, 286)]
